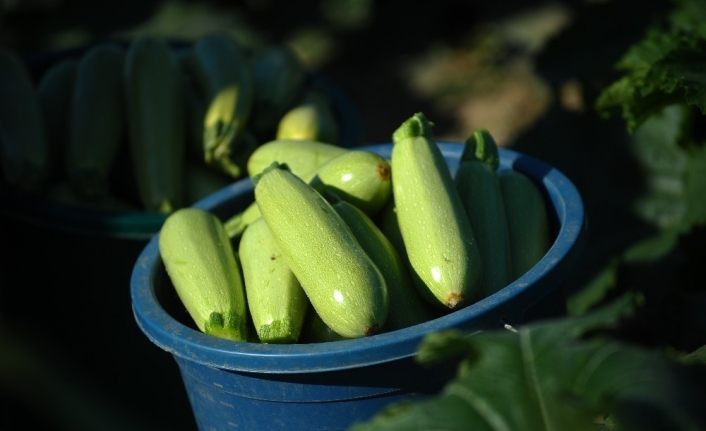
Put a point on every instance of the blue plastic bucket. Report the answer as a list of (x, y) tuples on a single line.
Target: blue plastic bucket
[(329, 386)]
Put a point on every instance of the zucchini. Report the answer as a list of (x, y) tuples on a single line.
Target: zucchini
[(278, 78), (406, 308), (225, 79), (24, 150), (55, 90), (96, 120), (316, 331), (203, 268), (275, 298), (236, 224), (390, 227), (194, 106), (438, 237), (310, 120), (341, 281), (155, 114), (528, 223), (360, 177), (479, 188), (302, 157)]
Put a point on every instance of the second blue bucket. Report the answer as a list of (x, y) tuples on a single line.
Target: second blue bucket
[(330, 386)]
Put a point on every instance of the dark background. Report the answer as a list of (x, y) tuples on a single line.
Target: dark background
[(527, 71)]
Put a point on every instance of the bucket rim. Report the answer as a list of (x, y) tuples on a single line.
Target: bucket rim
[(189, 343)]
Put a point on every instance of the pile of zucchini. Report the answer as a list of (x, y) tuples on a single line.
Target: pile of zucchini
[(149, 125), (343, 243)]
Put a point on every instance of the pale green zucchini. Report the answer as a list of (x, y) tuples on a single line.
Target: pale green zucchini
[(275, 298), (360, 177), (203, 268), (302, 157), (312, 119), (341, 281), (406, 308), (225, 79), (438, 237)]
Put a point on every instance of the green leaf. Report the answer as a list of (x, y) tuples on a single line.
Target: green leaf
[(445, 345), (652, 249), (446, 412), (546, 377), (698, 356), (623, 96), (636, 94), (646, 251), (681, 73), (666, 66), (582, 300), (605, 317)]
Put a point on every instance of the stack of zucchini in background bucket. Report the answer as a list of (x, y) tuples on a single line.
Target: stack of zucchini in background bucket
[(98, 145)]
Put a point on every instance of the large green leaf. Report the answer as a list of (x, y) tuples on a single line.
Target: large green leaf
[(634, 95), (546, 376), (667, 66)]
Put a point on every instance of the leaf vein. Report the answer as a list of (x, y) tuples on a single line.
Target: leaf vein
[(487, 412), (595, 361), (530, 369)]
